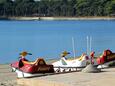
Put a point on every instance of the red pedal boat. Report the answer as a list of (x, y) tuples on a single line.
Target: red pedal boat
[(25, 68), (106, 58)]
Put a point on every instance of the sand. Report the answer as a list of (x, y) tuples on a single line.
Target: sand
[(7, 77), (104, 78)]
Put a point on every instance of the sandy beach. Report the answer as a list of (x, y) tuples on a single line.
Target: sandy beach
[(104, 78), (7, 77)]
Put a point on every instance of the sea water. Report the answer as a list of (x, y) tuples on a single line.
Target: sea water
[(48, 39)]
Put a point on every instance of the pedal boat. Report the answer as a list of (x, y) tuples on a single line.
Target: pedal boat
[(71, 65), (105, 59), (32, 69)]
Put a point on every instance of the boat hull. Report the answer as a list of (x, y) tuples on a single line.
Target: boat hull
[(21, 74), (105, 65)]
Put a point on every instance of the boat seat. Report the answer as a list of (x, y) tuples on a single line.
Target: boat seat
[(39, 61)]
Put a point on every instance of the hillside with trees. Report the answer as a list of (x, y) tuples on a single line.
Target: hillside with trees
[(58, 8)]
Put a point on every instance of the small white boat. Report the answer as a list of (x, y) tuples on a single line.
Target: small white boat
[(71, 64)]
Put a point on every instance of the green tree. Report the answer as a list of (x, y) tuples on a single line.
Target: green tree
[(57, 8), (110, 8)]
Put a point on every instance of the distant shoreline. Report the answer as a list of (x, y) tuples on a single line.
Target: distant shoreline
[(57, 18)]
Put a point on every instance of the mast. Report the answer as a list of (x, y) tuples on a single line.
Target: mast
[(90, 43), (73, 46), (87, 45)]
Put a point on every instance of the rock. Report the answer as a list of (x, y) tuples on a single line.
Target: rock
[(9, 83), (1, 83), (91, 69)]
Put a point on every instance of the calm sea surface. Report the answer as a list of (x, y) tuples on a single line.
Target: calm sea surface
[(48, 39)]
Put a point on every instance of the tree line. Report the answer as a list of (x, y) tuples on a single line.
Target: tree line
[(68, 8)]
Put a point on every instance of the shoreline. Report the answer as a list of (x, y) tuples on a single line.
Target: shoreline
[(57, 18)]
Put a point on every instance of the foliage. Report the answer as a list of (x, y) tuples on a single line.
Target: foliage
[(57, 8)]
